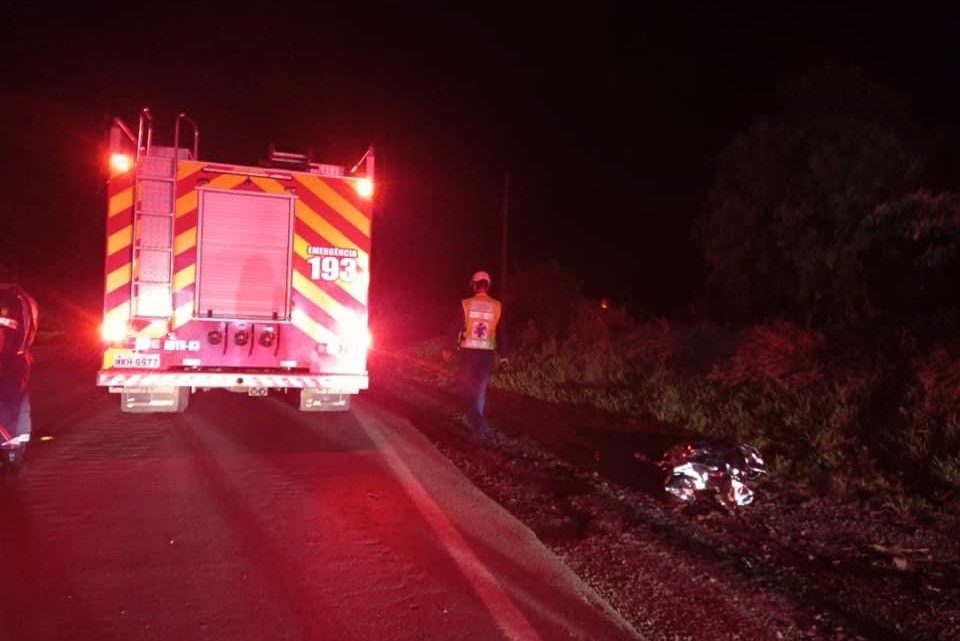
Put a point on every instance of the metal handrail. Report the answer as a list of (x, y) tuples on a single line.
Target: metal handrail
[(176, 135), (145, 116), (353, 169), (122, 126), (370, 165)]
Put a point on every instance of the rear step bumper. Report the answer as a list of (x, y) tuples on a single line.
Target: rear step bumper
[(328, 383)]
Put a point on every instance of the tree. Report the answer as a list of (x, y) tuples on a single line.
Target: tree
[(910, 249), (780, 229)]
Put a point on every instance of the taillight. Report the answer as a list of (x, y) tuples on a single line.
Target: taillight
[(333, 346), (114, 331), (354, 333), (267, 337), (364, 187), (120, 163)]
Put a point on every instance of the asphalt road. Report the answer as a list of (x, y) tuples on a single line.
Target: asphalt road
[(246, 519)]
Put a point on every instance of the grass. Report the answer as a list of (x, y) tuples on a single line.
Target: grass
[(871, 413), (853, 417)]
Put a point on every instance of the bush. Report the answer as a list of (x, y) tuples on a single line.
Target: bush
[(850, 414), (861, 413), (781, 353)]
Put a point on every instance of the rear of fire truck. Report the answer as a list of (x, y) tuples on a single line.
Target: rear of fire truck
[(247, 278)]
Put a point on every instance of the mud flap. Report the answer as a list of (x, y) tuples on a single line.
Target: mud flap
[(155, 400), (317, 401)]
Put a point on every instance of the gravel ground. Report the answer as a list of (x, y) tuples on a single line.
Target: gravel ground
[(794, 565)]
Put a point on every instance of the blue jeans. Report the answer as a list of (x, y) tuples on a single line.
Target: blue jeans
[(476, 368)]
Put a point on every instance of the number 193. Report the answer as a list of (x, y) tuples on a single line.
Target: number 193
[(331, 268)]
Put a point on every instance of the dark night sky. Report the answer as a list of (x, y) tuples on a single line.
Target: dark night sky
[(608, 116)]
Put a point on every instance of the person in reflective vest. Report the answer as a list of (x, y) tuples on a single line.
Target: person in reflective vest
[(481, 342), (18, 327)]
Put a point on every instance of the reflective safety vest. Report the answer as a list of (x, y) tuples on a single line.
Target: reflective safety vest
[(481, 313)]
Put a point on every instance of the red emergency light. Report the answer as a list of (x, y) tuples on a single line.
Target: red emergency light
[(113, 331), (120, 163), (364, 187)]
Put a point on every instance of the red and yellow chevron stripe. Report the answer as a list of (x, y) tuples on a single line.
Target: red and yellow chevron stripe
[(117, 267), (328, 213)]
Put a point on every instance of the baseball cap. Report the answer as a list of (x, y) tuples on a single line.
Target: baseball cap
[(481, 275)]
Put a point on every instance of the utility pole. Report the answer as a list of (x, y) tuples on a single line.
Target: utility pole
[(503, 233)]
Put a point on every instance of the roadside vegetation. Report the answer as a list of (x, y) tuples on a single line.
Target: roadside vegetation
[(872, 415), (827, 329)]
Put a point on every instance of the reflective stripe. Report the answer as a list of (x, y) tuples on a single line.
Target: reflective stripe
[(477, 344), (344, 383), (23, 439), (8, 322)]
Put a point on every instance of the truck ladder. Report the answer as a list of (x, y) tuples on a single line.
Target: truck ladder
[(153, 219), (153, 216)]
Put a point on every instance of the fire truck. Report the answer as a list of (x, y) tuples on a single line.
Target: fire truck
[(238, 277)]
